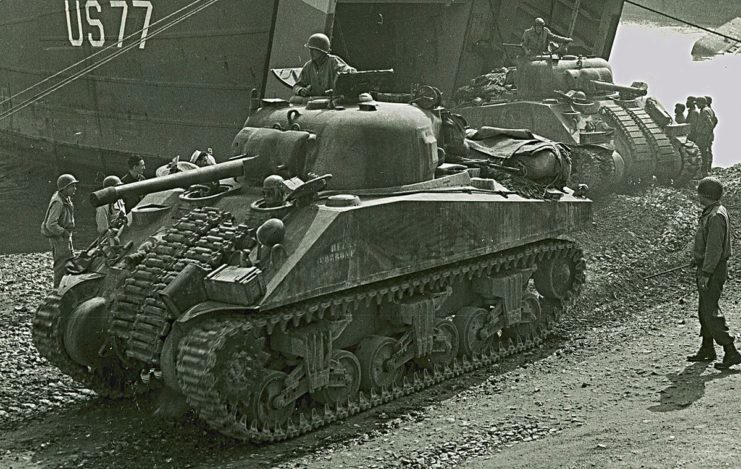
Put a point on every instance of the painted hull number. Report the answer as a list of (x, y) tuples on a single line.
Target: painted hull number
[(91, 11)]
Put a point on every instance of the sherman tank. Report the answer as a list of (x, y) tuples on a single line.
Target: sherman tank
[(617, 133), (334, 264)]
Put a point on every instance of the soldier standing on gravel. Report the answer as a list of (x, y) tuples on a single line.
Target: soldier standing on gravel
[(59, 223), (705, 133), (107, 215), (710, 255), (679, 116), (134, 174), (692, 115)]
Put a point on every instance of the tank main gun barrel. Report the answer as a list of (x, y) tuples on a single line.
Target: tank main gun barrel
[(601, 86), (241, 167)]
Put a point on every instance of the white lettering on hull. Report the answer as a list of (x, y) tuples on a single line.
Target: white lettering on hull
[(96, 34)]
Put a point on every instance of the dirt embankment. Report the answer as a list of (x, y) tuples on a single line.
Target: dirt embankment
[(611, 389)]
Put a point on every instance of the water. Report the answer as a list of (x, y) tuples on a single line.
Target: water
[(660, 56), (651, 52)]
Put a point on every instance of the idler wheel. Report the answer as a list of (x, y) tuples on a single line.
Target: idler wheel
[(470, 322), (554, 277), (266, 407), (85, 331), (374, 354), (344, 380), (445, 346)]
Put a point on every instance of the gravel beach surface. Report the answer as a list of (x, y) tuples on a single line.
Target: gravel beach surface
[(610, 389)]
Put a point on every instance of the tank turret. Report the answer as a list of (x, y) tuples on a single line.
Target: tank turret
[(618, 135)]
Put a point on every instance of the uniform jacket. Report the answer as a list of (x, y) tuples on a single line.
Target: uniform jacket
[(535, 43), (131, 201), (693, 114), (321, 77), (706, 122), (105, 214), (60, 217), (713, 238)]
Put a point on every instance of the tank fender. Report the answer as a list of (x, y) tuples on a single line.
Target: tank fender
[(72, 281)]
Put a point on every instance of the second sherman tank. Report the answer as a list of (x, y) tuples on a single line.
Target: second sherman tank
[(617, 133), (334, 264)]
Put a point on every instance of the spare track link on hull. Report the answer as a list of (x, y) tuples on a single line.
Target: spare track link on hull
[(663, 151), (199, 373), (638, 156), (140, 319), (113, 381)]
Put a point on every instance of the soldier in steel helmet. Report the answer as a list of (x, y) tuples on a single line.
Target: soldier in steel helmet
[(537, 39), (693, 114), (107, 216), (59, 223), (319, 73), (704, 134), (710, 255)]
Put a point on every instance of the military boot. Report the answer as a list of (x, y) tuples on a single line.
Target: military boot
[(731, 357), (706, 352)]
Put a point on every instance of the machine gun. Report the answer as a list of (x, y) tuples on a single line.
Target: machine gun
[(107, 246), (626, 92)]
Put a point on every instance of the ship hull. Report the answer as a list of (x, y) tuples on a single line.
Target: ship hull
[(160, 79)]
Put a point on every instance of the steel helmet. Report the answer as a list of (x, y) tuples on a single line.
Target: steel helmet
[(271, 232), (539, 21), (272, 181), (710, 187), (65, 180), (111, 181), (319, 42)]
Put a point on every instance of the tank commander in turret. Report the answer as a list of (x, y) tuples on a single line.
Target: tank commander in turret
[(319, 74), (59, 223), (538, 39), (108, 216)]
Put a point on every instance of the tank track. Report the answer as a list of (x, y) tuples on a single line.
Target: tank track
[(691, 161), (638, 146), (112, 381), (661, 147), (140, 319), (197, 363)]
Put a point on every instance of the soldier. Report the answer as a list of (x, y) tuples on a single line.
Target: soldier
[(704, 134), (202, 158), (106, 215), (692, 115), (538, 39), (679, 117), (59, 223), (710, 255), (272, 191), (134, 174), (319, 73)]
